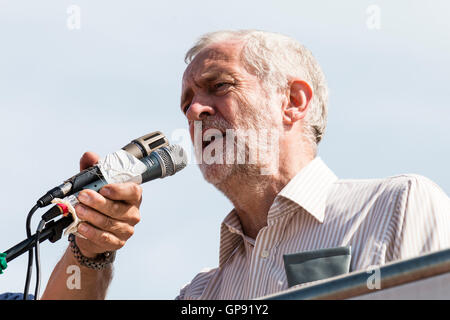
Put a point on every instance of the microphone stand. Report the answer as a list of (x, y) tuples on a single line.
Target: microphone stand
[(52, 231)]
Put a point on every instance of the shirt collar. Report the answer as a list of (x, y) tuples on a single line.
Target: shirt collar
[(309, 188)]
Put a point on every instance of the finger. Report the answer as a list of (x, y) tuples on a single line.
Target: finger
[(129, 192), (120, 229), (88, 159), (115, 209), (103, 240)]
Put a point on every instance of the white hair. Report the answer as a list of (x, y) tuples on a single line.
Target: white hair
[(275, 59)]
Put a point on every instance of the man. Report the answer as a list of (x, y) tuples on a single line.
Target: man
[(289, 203)]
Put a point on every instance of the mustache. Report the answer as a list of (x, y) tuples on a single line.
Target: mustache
[(216, 123)]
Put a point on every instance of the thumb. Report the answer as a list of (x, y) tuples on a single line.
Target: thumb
[(88, 159)]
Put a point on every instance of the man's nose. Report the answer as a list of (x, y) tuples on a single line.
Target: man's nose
[(198, 110)]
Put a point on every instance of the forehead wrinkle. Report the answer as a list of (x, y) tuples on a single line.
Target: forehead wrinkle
[(208, 70), (212, 73), (214, 54), (218, 54)]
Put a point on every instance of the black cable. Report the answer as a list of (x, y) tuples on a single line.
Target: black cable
[(38, 262), (30, 252)]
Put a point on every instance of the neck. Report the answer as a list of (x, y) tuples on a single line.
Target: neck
[(252, 193)]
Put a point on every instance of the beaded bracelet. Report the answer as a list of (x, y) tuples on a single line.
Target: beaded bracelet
[(98, 263)]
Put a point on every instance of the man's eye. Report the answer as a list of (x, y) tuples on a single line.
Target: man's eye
[(185, 108), (221, 85)]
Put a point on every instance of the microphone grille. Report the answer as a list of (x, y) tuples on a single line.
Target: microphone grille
[(174, 158)]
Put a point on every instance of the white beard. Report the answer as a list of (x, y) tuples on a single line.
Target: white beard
[(249, 159), (223, 159), (213, 164)]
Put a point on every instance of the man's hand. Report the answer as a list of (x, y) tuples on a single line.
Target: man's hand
[(109, 215), (109, 219)]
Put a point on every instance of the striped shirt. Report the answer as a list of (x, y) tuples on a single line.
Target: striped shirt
[(381, 219)]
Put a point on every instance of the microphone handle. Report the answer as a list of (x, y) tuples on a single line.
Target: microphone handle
[(85, 177), (72, 185), (57, 210)]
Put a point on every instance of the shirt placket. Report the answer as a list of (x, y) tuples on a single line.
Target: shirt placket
[(264, 255)]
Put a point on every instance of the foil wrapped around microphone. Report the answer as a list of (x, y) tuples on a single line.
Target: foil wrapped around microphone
[(121, 166)]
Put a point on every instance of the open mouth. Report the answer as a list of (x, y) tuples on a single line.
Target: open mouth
[(211, 138)]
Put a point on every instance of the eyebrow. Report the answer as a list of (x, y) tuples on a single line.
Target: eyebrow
[(214, 75), (206, 77)]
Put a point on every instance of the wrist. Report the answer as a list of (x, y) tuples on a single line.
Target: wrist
[(94, 261), (85, 247)]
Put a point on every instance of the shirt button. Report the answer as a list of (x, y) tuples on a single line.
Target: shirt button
[(264, 254)]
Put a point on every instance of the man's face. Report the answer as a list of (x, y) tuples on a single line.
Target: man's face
[(219, 92)]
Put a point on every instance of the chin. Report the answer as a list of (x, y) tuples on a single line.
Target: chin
[(216, 174)]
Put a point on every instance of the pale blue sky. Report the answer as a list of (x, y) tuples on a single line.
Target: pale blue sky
[(63, 92)]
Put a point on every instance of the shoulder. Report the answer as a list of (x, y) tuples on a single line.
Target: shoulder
[(14, 296), (195, 288), (398, 184), (389, 198), (420, 190), (412, 179)]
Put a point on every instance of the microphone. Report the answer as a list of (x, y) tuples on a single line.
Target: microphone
[(140, 148), (163, 162)]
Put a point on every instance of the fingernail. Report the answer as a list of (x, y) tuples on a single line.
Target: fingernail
[(81, 210), (105, 191), (82, 228), (83, 197)]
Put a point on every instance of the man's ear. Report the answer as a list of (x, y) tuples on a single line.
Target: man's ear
[(300, 95)]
